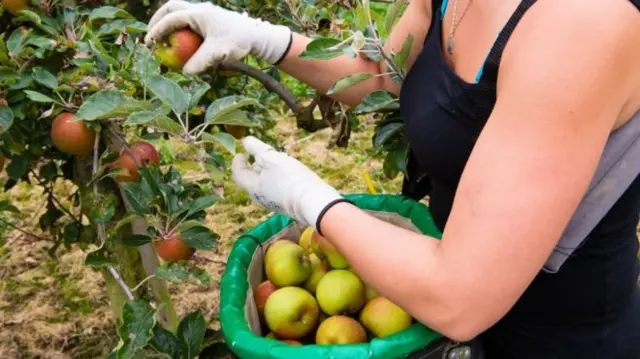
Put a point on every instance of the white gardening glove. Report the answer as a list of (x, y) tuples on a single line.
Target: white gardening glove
[(228, 35), (283, 184)]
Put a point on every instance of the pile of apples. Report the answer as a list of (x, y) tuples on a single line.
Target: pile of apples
[(312, 296)]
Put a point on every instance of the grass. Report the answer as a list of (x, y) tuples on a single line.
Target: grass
[(56, 307)]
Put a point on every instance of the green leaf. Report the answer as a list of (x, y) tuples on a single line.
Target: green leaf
[(72, 232), (108, 12), (224, 139), (136, 331), (109, 104), (199, 237), (235, 117), (385, 133), (38, 97), (200, 204), (30, 16), (102, 54), (18, 166), (172, 273), (145, 64), (400, 59), (199, 90), (6, 206), (6, 119), (168, 92), (166, 124), (141, 200), (227, 105), (41, 42), (98, 260), (116, 27), (165, 342), (362, 17), (323, 48), (393, 13), (191, 334), (135, 240), (45, 77), (348, 81), (15, 42), (143, 117), (399, 157), (376, 101), (181, 272)]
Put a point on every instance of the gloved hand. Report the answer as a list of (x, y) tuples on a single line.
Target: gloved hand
[(283, 184), (228, 35)]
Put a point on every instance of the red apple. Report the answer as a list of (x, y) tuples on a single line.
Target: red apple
[(260, 295), (173, 249), (144, 152), (178, 48), (72, 136)]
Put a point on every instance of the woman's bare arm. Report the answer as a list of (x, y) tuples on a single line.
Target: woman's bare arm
[(321, 74)]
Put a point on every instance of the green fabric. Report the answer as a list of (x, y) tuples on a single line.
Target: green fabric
[(234, 285)]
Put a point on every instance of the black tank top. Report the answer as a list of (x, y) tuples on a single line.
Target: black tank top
[(444, 116)]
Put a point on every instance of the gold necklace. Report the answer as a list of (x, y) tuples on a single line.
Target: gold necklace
[(454, 26)]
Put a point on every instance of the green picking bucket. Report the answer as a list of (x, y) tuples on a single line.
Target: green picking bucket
[(244, 271)]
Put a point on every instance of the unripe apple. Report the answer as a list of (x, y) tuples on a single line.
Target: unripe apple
[(369, 292), (13, 6), (144, 152), (340, 292), (324, 249), (173, 249), (238, 132), (178, 48), (71, 135), (318, 269), (383, 317), (340, 329), (260, 295), (286, 264), (305, 239), (291, 312)]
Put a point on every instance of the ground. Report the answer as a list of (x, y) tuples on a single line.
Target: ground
[(57, 307)]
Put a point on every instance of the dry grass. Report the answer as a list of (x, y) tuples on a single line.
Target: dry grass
[(57, 307)]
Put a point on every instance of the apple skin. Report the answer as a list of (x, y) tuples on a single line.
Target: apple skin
[(173, 249), (286, 264), (178, 48), (324, 249), (318, 269), (305, 239), (238, 132), (383, 318), (14, 6), (340, 329), (260, 295), (72, 136), (144, 152), (291, 312), (370, 293), (339, 292)]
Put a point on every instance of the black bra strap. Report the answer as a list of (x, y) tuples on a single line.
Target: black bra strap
[(491, 65)]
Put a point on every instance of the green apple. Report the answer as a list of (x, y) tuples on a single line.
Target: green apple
[(340, 292), (318, 269), (370, 293), (178, 48), (324, 249), (286, 264), (340, 329), (291, 313), (382, 317), (260, 295), (305, 239)]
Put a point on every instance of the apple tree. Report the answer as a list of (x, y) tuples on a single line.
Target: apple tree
[(82, 100)]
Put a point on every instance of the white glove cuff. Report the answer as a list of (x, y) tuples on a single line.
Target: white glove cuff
[(271, 42), (315, 203)]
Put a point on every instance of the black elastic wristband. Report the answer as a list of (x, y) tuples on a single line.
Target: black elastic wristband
[(286, 51), (325, 209)]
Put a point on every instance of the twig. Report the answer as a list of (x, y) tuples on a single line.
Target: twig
[(22, 230), (142, 282), (267, 81), (53, 197), (101, 231)]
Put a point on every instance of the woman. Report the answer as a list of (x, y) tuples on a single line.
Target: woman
[(508, 106)]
